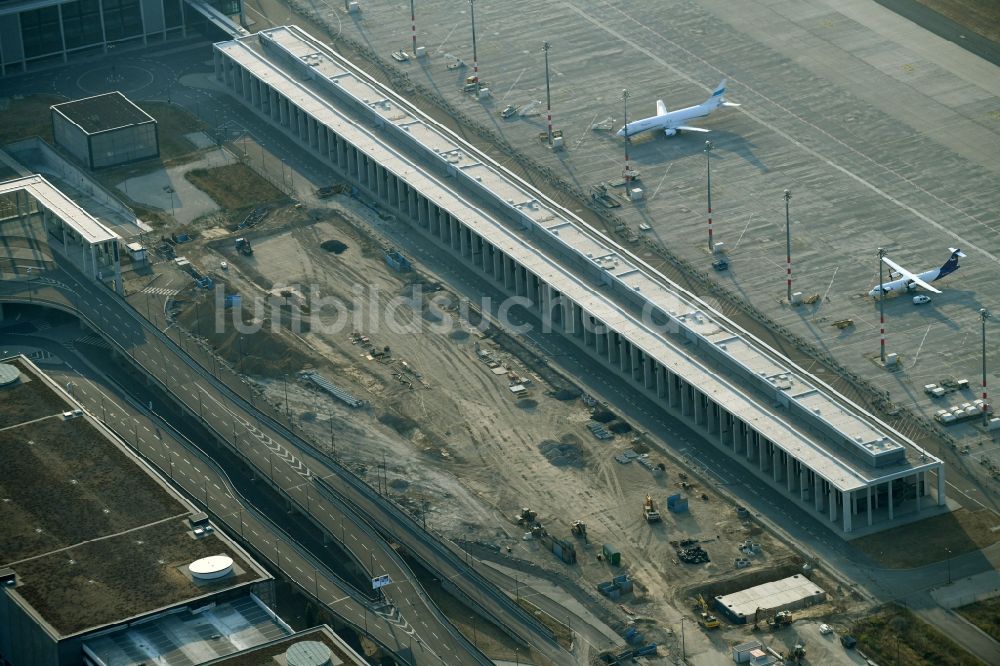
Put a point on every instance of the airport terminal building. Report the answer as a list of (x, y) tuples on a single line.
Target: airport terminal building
[(38, 31), (790, 430)]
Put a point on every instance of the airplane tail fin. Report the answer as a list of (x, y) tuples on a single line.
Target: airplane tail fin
[(952, 264), (718, 96)]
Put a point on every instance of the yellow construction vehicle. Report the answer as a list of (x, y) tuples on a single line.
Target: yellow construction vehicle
[(706, 619), (649, 511)]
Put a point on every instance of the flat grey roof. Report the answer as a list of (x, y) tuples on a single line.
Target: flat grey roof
[(838, 457), (102, 113), (767, 596), (57, 203)]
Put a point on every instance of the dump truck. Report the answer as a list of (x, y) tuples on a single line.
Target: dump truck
[(649, 510)]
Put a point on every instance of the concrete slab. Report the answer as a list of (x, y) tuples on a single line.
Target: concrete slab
[(168, 189), (885, 134)]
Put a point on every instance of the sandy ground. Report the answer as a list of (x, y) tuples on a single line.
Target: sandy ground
[(447, 437)]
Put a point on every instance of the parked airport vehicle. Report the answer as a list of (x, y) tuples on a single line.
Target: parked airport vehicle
[(672, 122), (908, 280)]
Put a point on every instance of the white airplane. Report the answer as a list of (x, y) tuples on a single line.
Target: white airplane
[(672, 122), (908, 280)]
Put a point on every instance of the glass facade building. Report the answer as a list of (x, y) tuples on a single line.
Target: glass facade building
[(37, 31)]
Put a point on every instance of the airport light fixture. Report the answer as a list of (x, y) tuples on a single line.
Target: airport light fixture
[(788, 246), (984, 314), (548, 94), (628, 171), (475, 59), (881, 305), (708, 166), (413, 27)]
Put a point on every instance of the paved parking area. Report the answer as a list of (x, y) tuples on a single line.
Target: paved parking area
[(886, 136)]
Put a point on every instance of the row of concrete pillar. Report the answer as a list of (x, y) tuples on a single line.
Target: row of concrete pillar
[(558, 312)]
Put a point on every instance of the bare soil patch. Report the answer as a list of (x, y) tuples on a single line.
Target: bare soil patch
[(234, 187), (27, 117), (979, 16), (932, 539), (985, 615), (897, 636)]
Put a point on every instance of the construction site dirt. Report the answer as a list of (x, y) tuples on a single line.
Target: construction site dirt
[(444, 432)]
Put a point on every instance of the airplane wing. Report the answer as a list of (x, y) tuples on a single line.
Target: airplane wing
[(686, 128), (661, 108), (909, 276)]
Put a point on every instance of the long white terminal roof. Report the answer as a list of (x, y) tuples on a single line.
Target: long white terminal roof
[(57, 203), (830, 434)]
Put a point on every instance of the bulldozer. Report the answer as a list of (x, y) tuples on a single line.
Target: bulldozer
[(705, 619), (579, 529)]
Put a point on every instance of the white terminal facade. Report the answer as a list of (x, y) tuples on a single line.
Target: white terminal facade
[(79, 235), (789, 429)]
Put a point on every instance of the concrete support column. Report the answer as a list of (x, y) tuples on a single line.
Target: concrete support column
[(571, 317), (868, 506), (651, 375), (920, 492), (848, 510), (818, 494), (833, 504), (510, 273), (802, 483), (941, 487), (634, 362), (789, 472), (891, 507), (685, 399), (497, 265), (660, 381), (519, 287), (546, 305)]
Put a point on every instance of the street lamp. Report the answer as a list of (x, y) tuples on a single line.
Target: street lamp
[(548, 96), (708, 167), (628, 171), (881, 305), (683, 650), (788, 246), (983, 316), (948, 550), (475, 58)]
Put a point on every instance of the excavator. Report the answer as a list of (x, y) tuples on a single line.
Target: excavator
[(706, 619)]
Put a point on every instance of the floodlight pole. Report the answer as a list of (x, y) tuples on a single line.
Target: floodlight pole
[(881, 305), (788, 246), (413, 27), (548, 95), (983, 316), (708, 167), (628, 171), (475, 58)]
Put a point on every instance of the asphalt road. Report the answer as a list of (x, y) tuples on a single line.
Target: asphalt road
[(195, 473), (339, 502)]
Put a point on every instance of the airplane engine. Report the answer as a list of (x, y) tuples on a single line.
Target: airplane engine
[(670, 132), (910, 286)]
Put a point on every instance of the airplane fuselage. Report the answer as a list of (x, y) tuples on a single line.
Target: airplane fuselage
[(906, 283), (666, 121)]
